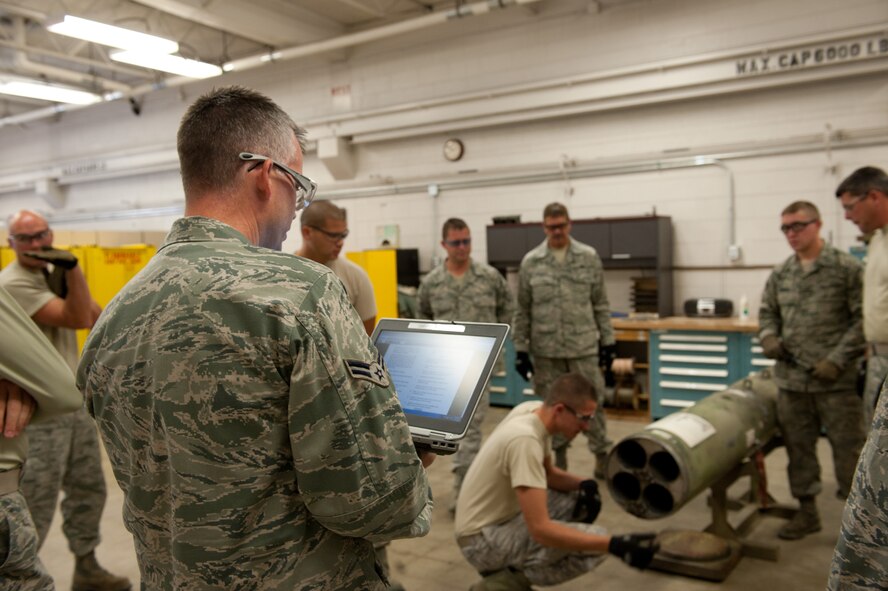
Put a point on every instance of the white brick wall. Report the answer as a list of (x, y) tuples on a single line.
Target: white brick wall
[(555, 39)]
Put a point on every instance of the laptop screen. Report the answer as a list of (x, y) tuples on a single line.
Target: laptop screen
[(439, 369), (434, 373)]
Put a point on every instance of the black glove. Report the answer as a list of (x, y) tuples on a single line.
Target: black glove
[(588, 504), (523, 365), (634, 549), (861, 378), (606, 356), (59, 258), (57, 282)]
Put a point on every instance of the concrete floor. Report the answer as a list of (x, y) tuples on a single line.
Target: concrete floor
[(434, 563)]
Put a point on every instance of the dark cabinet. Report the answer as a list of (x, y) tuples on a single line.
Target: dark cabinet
[(643, 243)]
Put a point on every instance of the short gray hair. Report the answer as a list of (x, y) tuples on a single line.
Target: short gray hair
[(223, 123)]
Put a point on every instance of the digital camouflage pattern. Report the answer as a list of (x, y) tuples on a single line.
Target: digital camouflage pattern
[(562, 316), (546, 371), (562, 308), (20, 568), (510, 544), (876, 372), (817, 314), (248, 456), (64, 454), (481, 295), (861, 557), (801, 416)]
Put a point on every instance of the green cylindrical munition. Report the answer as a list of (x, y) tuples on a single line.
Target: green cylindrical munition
[(654, 472)]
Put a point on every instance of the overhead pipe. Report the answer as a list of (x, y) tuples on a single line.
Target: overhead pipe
[(22, 62), (256, 61), (877, 138), (645, 68), (386, 31)]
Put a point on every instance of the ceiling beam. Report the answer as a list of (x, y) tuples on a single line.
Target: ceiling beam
[(252, 21), (363, 8)]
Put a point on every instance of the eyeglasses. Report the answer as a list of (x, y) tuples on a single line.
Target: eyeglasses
[(334, 236), (31, 237), (556, 227), (795, 227), (581, 418), (305, 187), (457, 243), (853, 204)]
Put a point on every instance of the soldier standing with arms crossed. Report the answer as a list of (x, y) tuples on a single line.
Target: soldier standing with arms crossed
[(466, 290), (563, 321), (810, 322)]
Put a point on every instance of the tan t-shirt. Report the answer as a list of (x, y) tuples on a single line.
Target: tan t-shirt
[(875, 288), (29, 289), (357, 286), (512, 456), (28, 360)]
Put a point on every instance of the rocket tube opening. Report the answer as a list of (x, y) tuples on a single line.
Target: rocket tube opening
[(659, 499), (664, 466), (626, 486), (631, 454)]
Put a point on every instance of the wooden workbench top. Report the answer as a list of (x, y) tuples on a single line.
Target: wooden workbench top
[(685, 323)]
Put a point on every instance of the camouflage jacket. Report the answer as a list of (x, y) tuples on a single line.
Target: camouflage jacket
[(860, 560), (255, 450), (481, 296), (562, 310), (818, 315)]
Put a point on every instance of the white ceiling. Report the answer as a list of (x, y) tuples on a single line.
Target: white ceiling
[(215, 31)]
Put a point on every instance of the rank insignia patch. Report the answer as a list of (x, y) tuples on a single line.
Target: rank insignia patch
[(372, 372)]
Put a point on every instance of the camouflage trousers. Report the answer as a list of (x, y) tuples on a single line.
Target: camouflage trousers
[(510, 544), (861, 557), (876, 372), (470, 444), (64, 454), (801, 416), (545, 371), (20, 568)]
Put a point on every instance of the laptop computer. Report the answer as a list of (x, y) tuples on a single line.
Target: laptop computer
[(439, 370)]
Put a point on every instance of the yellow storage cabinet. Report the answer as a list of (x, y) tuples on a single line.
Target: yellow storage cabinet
[(107, 270), (382, 267)]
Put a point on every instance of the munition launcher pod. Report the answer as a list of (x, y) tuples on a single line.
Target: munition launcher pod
[(654, 472)]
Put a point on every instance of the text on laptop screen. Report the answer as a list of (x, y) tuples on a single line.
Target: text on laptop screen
[(434, 374)]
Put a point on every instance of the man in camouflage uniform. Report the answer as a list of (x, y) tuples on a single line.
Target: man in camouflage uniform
[(520, 520), (250, 423), (64, 452), (32, 374), (864, 197), (860, 561), (563, 321), (467, 290), (810, 322)]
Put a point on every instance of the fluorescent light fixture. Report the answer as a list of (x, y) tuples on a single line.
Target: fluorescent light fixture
[(112, 36), (48, 92), (168, 63)]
